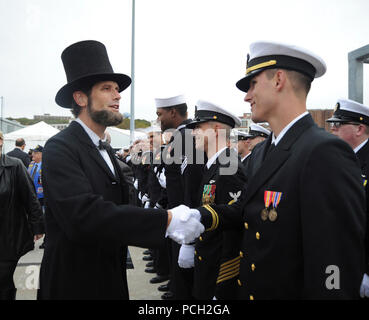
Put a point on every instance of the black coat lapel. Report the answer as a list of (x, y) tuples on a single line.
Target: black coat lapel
[(210, 173), (273, 161), (362, 155)]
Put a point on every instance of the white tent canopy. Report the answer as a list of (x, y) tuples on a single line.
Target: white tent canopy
[(40, 132), (36, 134), (121, 137)]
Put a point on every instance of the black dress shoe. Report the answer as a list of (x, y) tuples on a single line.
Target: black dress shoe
[(150, 264), (168, 296), (147, 251), (150, 270), (159, 279), (164, 287), (147, 258)]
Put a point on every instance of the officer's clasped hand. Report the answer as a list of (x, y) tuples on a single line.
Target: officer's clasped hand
[(184, 226)]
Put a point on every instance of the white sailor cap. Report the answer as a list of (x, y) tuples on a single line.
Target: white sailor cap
[(241, 135), (271, 55), (176, 101), (256, 130), (350, 111), (208, 111)]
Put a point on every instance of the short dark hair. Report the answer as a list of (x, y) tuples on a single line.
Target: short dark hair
[(76, 109), (181, 109), (299, 80), (20, 142)]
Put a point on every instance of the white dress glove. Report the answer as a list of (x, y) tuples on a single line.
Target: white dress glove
[(364, 289), (195, 214), (162, 179), (186, 258), (158, 206), (135, 184), (145, 198), (184, 226)]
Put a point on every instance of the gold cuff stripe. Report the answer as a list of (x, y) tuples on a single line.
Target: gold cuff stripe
[(230, 276), (261, 65), (228, 270), (231, 202), (215, 218), (231, 267), (230, 262)]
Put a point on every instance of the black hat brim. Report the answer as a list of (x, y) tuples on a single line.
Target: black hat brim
[(194, 123), (244, 83), (64, 97), (336, 119)]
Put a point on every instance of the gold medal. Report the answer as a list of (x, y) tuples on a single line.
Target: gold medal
[(264, 214), (273, 215)]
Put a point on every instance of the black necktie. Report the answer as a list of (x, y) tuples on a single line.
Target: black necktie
[(270, 149), (103, 145)]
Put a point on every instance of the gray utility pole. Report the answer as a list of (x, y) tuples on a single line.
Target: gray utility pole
[(356, 59), (2, 117), (132, 121)]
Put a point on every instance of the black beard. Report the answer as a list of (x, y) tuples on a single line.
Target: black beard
[(105, 118)]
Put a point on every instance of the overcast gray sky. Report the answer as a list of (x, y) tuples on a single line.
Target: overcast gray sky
[(192, 47)]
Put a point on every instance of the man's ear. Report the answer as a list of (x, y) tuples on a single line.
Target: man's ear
[(80, 98), (279, 80), (173, 113), (360, 130)]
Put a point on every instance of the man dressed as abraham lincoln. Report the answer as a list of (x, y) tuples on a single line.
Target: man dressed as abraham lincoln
[(88, 222)]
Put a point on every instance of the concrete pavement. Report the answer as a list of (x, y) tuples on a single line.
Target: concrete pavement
[(27, 271)]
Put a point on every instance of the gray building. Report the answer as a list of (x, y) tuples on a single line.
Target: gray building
[(7, 126)]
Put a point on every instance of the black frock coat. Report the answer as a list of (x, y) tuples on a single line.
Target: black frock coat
[(88, 225)]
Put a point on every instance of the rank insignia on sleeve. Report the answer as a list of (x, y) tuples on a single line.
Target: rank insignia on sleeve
[(234, 196), (208, 195)]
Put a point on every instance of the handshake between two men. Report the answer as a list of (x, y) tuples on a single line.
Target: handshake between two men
[(184, 226)]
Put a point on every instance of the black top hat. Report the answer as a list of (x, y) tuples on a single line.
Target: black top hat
[(85, 64)]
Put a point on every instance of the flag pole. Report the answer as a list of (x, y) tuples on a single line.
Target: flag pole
[(132, 120)]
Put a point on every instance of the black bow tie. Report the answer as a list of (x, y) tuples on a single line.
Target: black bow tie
[(103, 145)]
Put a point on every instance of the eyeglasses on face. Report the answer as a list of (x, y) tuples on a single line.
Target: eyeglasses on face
[(339, 124)]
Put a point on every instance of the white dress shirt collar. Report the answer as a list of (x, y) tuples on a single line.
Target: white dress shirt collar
[(245, 157), (357, 149), (95, 139), (214, 158), (286, 128), (93, 136)]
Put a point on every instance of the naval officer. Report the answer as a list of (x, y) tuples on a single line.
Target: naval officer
[(216, 255), (350, 122), (304, 209)]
